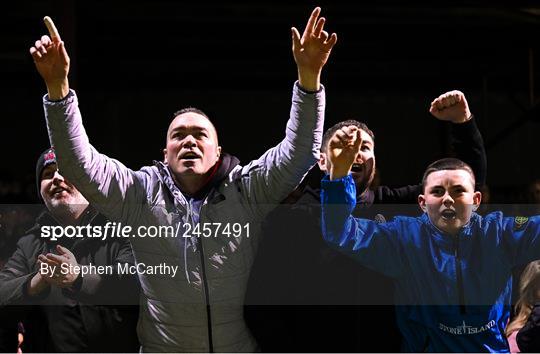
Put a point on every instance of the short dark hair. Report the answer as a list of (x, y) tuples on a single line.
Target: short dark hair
[(330, 132), (190, 110), (447, 164), (194, 110)]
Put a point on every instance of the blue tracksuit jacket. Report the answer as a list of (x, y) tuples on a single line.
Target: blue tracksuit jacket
[(453, 292)]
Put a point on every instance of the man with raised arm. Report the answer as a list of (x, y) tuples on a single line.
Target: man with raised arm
[(200, 191)]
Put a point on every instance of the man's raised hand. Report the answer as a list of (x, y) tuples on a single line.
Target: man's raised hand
[(342, 150), (311, 51), (451, 106), (52, 61)]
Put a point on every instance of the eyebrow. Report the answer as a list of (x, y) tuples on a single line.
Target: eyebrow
[(188, 128)]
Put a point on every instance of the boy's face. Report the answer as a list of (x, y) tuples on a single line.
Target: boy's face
[(449, 199)]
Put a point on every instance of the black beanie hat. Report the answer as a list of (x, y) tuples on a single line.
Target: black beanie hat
[(46, 158)]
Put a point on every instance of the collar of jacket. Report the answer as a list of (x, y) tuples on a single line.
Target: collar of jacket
[(226, 164), (446, 238)]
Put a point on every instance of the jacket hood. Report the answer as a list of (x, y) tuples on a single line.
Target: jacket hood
[(220, 171)]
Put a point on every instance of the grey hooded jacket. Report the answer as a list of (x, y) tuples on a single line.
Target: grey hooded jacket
[(201, 308)]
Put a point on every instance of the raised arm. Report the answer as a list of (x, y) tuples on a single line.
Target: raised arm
[(375, 245), (275, 174), (108, 185), (466, 139)]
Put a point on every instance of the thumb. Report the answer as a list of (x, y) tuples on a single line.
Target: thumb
[(295, 38)]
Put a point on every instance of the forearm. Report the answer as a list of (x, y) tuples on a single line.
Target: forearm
[(16, 290), (468, 144), (280, 169), (107, 184), (338, 199)]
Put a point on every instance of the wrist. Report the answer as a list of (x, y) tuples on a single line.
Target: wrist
[(337, 173), (57, 91), (309, 81), (37, 285), (465, 118)]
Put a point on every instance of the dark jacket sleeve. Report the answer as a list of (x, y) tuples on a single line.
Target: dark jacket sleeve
[(468, 145), (16, 274), (109, 289), (528, 337)]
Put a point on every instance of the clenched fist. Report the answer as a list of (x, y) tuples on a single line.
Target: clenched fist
[(451, 106)]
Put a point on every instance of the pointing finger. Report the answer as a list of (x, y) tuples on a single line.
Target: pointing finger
[(55, 36)]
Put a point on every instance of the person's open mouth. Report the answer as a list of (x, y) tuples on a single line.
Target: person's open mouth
[(190, 155), (448, 214), (357, 168)]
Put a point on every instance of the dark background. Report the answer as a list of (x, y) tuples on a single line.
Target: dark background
[(136, 62)]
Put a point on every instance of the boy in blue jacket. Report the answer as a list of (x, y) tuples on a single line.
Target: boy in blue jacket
[(452, 267)]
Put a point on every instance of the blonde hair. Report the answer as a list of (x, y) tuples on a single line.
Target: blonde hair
[(529, 284)]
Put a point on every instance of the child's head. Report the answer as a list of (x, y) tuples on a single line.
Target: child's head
[(529, 294), (449, 196)]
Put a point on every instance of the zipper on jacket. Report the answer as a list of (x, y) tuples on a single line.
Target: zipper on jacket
[(459, 276), (205, 285)]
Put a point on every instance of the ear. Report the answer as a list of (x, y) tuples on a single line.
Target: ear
[(477, 199), (322, 162), (422, 203), (218, 152), (165, 156)]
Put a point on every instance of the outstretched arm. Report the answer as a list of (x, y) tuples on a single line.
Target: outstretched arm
[(311, 51), (280, 169), (112, 188), (466, 139)]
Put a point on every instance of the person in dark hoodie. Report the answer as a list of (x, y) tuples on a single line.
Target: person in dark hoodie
[(65, 311)]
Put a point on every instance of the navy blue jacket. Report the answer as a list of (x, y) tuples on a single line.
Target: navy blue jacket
[(453, 292)]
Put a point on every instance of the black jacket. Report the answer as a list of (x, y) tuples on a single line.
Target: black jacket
[(95, 315), (528, 337)]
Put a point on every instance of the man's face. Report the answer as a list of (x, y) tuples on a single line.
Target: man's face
[(192, 145), (363, 169), (57, 192), (449, 199)]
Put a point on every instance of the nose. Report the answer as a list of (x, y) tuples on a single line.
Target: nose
[(447, 199), (360, 158), (189, 141), (57, 177)]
